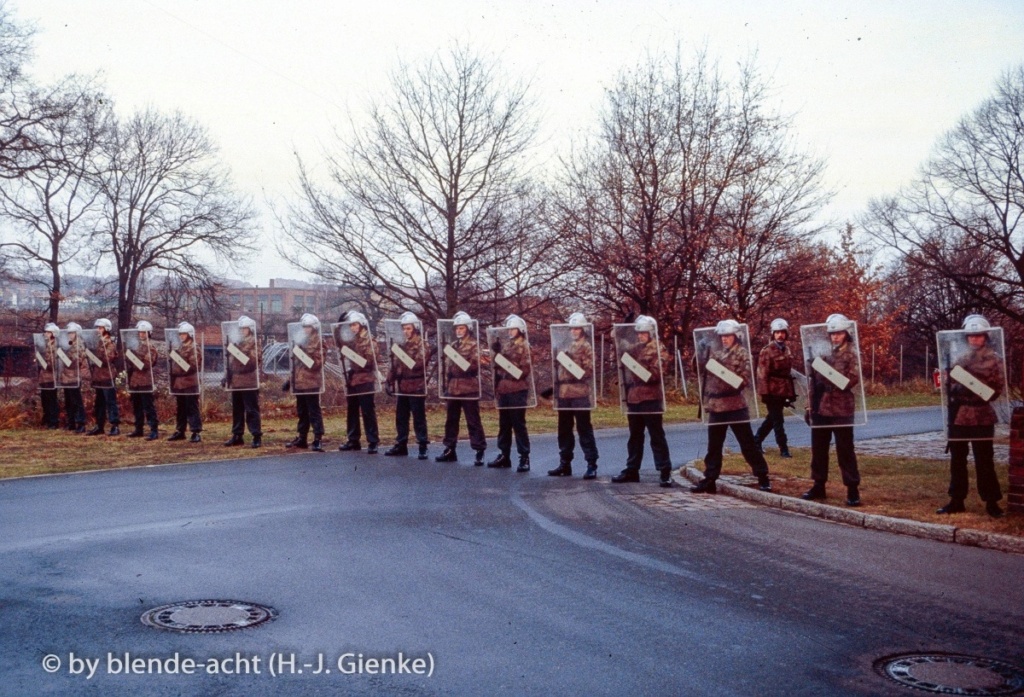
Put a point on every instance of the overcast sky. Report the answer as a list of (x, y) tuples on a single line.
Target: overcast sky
[(872, 84)]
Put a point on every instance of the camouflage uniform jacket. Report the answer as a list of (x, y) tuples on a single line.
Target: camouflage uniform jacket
[(411, 381), (637, 390), (361, 380), (720, 396), (141, 379), (103, 374), (48, 375), (986, 366), (774, 371), (71, 376), (835, 402), (185, 381), (569, 387), (464, 383), (517, 351), (309, 380), (244, 377)]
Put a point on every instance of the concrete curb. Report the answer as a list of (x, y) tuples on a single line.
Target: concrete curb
[(871, 521)]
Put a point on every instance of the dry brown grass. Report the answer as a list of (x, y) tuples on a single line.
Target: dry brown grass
[(900, 487)]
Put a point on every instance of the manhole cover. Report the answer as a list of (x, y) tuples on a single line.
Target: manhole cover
[(952, 674), (207, 616)]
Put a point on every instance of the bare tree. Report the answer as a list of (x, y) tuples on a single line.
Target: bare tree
[(168, 206), (691, 198), (53, 204), (962, 220), (427, 202)]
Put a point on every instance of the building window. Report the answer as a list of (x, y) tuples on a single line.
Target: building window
[(276, 303)]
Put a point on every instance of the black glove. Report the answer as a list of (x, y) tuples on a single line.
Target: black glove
[(547, 393), (287, 385)]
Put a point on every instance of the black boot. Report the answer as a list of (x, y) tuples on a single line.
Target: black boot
[(153, 435), (114, 431), (350, 445), (666, 477), (500, 462), (564, 469), (784, 451), (852, 496), (626, 476), (591, 472), (196, 438), (177, 435), (524, 464), (257, 442), (233, 441), (371, 448), (137, 433), (298, 442), (954, 506), (815, 493), (993, 509), (423, 452), (479, 461), (316, 447), (95, 431), (705, 486), (764, 484), (397, 450), (448, 455)]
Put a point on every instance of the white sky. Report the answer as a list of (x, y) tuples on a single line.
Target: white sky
[(873, 84)]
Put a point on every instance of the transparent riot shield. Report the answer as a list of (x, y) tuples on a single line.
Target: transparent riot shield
[(241, 357), (639, 367), (68, 360), (407, 358), (458, 360), (306, 355), (100, 356), (139, 356), (45, 356), (183, 363), (799, 406), (835, 382), (972, 375), (511, 368), (725, 376), (357, 352), (572, 365)]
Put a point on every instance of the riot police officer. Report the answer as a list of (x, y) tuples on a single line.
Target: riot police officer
[(645, 403), (360, 383), (307, 383), (184, 377), (407, 379), (140, 382), (47, 359), (574, 397), (775, 385), (511, 392), (726, 407), (242, 379), (461, 388), (105, 403), (971, 421)]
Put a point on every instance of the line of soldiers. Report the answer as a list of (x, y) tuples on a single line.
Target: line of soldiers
[(830, 395)]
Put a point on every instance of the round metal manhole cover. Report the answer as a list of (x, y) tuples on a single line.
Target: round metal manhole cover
[(208, 616), (952, 674)]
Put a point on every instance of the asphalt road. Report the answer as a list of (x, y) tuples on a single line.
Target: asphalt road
[(512, 584)]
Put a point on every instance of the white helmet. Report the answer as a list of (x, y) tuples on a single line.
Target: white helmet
[(515, 322), (310, 320), (409, 318), (144, 326), (51, 327), (976, 324), (577, 319), (727, 327), (74, 327), (246, 322), (186, 328), (353, 317), (838, 323), (645, 324), (103, 322), (462, 319), (780, 325)]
